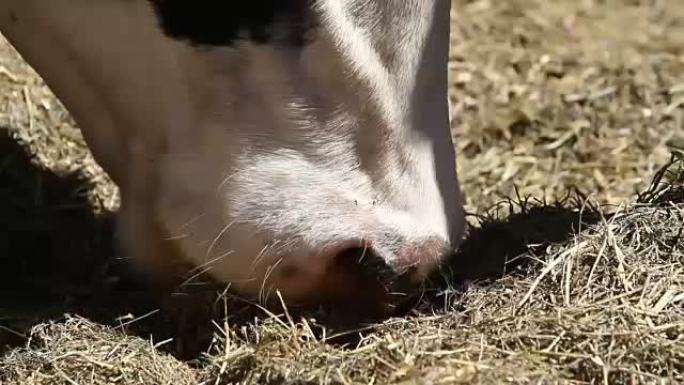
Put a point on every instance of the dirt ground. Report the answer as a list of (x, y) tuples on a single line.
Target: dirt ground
[(549, 98)]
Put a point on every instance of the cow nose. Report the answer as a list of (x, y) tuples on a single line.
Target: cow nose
[(363, 285), (366, 262), (419, 257)]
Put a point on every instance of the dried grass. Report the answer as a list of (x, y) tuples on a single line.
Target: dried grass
[(606, 306), (550, 96), (78, 351)]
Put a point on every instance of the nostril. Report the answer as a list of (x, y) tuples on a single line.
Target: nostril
[(363, 261), (368, 268), (355, 283), (360, 281)]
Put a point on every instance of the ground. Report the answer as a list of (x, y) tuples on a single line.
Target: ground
[(578, 97)]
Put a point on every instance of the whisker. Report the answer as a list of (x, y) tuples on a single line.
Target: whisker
[(269, 271), (190, 222), (176, 237), (203, 268), (224, 181), (189, 280), (182, 227), (206, 263), (363, 254), (217, 238), (259, 257)]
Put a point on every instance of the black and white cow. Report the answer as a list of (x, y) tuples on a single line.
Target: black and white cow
[(272, 143)]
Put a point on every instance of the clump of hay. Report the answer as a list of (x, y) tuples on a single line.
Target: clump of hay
[(605, 306), (668, 183), (78, 351)]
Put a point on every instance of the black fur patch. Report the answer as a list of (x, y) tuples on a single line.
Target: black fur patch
[(222, 22)]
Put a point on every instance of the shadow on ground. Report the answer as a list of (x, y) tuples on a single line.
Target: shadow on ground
[(492, 248), (51, 245), (56, 257), (503, 240), (54, 252)]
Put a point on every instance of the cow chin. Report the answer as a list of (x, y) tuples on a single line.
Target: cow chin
[(340, 274), (347, 277)]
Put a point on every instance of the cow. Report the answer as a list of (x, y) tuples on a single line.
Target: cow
[(300, 147)]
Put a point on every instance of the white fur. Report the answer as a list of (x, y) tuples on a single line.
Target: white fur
[(256, 156)]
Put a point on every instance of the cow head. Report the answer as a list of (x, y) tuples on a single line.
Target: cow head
[(321, 140), (299, 145)]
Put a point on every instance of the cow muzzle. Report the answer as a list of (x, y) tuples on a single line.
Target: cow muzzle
[(360, 284)]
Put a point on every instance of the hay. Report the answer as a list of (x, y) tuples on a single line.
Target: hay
[(78, 351), (606, 306), (551, 95), (547, 96)]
